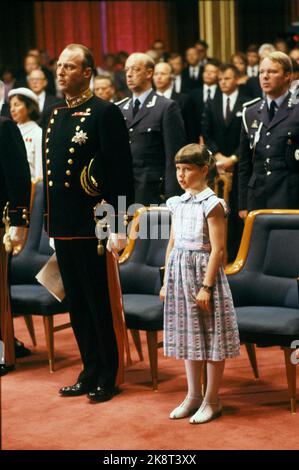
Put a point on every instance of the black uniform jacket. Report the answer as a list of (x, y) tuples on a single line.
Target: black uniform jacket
[(15, 181), (269, 157), (86, 159), (156, 134)]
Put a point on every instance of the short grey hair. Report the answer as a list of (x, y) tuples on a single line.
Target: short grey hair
[(145, 58)]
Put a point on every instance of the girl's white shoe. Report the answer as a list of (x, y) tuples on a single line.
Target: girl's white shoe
[(207, 412), (189, 405)]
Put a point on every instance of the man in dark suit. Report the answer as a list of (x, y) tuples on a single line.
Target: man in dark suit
[(177, 64), (192, 74), (156, 131), (163, 75), (38, 84), (205, 93), (15, 188), (4, 107), (222, 121), (269, 149), (87, 159)]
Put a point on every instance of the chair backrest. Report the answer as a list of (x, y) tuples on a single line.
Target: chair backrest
[(269, 274), (140, 274), (37, 250)]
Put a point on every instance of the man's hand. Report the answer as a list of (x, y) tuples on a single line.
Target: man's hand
[(243, 214), (18, 236), (225, 163), (117, 242)]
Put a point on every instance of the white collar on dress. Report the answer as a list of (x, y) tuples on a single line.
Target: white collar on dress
[(199, 196)]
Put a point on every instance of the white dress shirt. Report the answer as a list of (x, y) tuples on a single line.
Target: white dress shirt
[(194, 71), (166, 93), (212, 89), (32, 136), (232, 101), (177, 83), (41, 101), (252, 71)]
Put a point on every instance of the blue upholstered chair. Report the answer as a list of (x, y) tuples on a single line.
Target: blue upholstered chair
[(28, 297), (140, 280), (263, 280)]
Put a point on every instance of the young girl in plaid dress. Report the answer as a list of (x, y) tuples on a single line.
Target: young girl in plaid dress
[(199, 317)]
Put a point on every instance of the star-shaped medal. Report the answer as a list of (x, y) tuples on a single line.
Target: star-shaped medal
[(80, 137)]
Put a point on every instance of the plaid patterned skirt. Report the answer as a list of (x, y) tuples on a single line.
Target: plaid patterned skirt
[(190, 333)]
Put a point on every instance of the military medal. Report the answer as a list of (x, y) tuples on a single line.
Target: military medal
[(80, 137), (254, 125)]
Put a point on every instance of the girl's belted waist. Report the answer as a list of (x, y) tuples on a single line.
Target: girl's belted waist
[(192, 246)]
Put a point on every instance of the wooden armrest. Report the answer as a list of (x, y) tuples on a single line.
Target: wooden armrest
[(162, 272)]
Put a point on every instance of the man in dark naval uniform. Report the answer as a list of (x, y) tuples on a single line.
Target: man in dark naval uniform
[(87, 159), (269, 149), (15, 188), (156, 131)]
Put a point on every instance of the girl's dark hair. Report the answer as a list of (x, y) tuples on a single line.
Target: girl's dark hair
[(199, 155), (32, 107)]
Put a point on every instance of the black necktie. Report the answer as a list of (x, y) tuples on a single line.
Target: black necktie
[(228, 111), (136, 107), (209, 95), (272, 109)]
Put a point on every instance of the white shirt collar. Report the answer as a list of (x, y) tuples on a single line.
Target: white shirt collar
[(232, 100), (166, 93), (27, 127), (205, 91), (178, 83), (41, 100), (142, 97), (194, 69), (278, 100), (199, 196)]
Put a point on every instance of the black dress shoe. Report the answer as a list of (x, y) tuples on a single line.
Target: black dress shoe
[(101, 394), (5, 369), (21, 350), (75, 390)]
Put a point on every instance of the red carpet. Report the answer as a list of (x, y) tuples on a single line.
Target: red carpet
[(256, 413)]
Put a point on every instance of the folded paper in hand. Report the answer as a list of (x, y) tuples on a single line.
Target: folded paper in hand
[(49, 277)]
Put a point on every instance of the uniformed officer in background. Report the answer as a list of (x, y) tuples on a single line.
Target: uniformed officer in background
[(87, 159), (156, 131), (269, 149), (15, 189)]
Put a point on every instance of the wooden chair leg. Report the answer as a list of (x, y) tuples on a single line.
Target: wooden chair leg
[(250, 348), (204, 379), (152, 344), (30, 327), (137, 341), (127, 347), (291, 377), (49, 333)]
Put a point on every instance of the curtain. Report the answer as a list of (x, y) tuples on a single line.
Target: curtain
[(104, 27), (60, 23)]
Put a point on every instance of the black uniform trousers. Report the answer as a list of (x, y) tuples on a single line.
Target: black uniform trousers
[(86, 286)]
